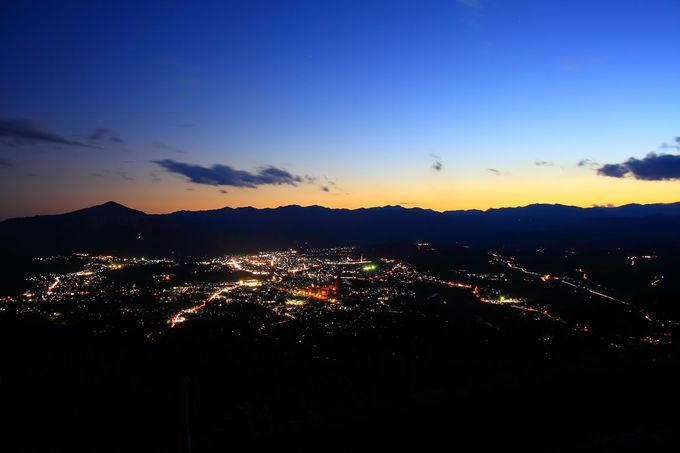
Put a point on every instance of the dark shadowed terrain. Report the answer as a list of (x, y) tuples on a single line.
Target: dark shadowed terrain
[(113, 228), (547, 349)]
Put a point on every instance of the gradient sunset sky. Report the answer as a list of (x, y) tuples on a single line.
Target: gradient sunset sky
[(452, 104)]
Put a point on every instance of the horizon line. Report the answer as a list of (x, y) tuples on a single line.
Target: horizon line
[(341, 209)]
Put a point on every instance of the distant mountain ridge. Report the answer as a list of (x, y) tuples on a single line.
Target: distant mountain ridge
[(114, 228)]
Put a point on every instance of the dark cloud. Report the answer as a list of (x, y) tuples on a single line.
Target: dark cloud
[(155, 177), (587, 163), (27, 131), (224, 175), (5, 163), (116, 140), (332, 186), (315, 181), (613, 170), (652, 167), (223, 191), (543, 163), (309, 179), (494, 171), (186, 125), (437, 165)]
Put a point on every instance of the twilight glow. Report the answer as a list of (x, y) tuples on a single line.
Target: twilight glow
[(450, 104)]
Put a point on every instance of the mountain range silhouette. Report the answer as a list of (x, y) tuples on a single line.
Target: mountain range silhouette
[(114, 228)]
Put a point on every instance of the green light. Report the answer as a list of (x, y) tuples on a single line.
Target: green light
[(369, 267)]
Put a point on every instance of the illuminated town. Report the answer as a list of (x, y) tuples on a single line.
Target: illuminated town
[(159, 294)]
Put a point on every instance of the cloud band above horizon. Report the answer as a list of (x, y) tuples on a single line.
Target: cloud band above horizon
[(652, 167), (224, 175)]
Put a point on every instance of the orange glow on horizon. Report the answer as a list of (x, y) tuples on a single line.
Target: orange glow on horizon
[(439, 192)]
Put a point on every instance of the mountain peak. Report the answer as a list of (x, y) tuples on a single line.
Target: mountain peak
[(110, 207), (111, 204)]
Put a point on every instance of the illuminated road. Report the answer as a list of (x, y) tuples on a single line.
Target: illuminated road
[(597, 293), (475, 292), (581, 286), (657, 281), (544, 313), (52, 286), (179, 318)]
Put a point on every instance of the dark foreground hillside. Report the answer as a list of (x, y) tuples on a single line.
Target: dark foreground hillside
[(459, 375)]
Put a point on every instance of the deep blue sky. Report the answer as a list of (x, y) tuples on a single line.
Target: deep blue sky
[(355, 101)]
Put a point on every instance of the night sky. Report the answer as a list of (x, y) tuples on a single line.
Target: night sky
[(450, 104)]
